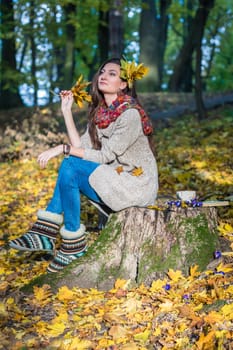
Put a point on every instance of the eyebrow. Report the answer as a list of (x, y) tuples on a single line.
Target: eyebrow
[(110, 70)]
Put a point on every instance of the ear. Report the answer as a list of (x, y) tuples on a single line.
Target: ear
[(123, 85)]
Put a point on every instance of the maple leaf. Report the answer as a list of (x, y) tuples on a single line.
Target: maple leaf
[(175, 275), (143, 336), (224, 268), (117, 331), (65, 294), (227, 311), (56, 329), (131, 71), (130, 346), (157, 285), (131, 305), (206, 341), (79, 93), (137, 171), (225, 229), (119, 169), (72, 343), (42, 295), (213, 318), (167, 306), (194, 271), (121, 284)]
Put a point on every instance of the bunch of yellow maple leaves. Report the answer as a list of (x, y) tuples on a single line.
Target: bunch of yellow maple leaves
[(176, 312)]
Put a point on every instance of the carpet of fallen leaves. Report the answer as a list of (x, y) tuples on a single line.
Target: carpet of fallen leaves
[(178, 312)]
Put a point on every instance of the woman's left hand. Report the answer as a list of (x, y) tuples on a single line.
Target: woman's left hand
[(45, 156), (67, 100)]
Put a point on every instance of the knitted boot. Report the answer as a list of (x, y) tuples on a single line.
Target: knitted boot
[(42, 235), (73, 246)]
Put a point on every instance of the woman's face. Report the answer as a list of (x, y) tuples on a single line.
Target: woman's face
[(109, 81)]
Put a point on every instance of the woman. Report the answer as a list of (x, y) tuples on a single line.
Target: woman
[(112, 164)]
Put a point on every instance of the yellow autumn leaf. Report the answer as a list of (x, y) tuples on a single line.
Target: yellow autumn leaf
[(74, 343), (157, 332), (166, 306), (105, 343), (225, 228), (65, 294), (224, 268), (4, 285), (42, 295), (213, 318), (206, 341), (3, 310), (194, 271), (41, 328), (121, 284), (56, 329), (79, 92), (131, 305), (143, 336), (137, 171), (117, 331), (157, 285), (131, 71), (227, 311), (175, 275), (130, 346), (119, 169)]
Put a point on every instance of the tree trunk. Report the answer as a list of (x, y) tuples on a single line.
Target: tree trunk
[(103, 35), (176, 82), (201, 110), (33, 53), (140, 245), (153, 39), (9, 76), (116, 42), (198, 71), (69, 64)]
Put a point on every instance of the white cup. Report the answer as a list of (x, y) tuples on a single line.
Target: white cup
[(186, 195)]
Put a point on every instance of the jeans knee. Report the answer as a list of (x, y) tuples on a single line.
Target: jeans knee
[(67, 174)]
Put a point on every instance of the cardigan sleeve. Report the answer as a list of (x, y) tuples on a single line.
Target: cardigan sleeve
[(85, 140), (126, 130)]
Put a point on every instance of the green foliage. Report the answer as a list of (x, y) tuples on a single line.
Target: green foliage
[(45, 24)]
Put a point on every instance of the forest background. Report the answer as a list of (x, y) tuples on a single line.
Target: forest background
[(45, 46)]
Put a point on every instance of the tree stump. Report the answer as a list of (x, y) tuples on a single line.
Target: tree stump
[(140, 245)]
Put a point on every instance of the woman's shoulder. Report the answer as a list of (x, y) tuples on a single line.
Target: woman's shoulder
[(130, 114)]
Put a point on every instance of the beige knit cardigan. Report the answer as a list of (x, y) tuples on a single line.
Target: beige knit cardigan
[(123, 144)]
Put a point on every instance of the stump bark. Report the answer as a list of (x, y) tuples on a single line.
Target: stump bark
[(140, 245)]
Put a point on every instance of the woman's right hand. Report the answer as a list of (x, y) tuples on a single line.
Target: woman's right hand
[(45, 156), (67, 100)]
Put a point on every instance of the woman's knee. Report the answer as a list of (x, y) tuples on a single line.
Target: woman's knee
[(67, 173)]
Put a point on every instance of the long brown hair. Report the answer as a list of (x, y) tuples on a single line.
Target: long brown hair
[(98, 97)]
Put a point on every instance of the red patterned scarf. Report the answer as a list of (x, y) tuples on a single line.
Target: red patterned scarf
[(106, 115)]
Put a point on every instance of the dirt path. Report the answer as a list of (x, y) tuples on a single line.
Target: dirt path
[(188, 105)]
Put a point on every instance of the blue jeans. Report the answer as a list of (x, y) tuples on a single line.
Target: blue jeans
[(71, 182)]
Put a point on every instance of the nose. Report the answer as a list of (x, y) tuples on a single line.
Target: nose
[(103, 76)]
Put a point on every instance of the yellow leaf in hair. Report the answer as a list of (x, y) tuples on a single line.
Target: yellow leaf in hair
[(132, 71), (137, 171)]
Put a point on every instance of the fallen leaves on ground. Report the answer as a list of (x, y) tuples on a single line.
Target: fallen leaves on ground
[(177, 312)]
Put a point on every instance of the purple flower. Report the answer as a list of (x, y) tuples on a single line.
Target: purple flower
[(217, 254), (167, 286)]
